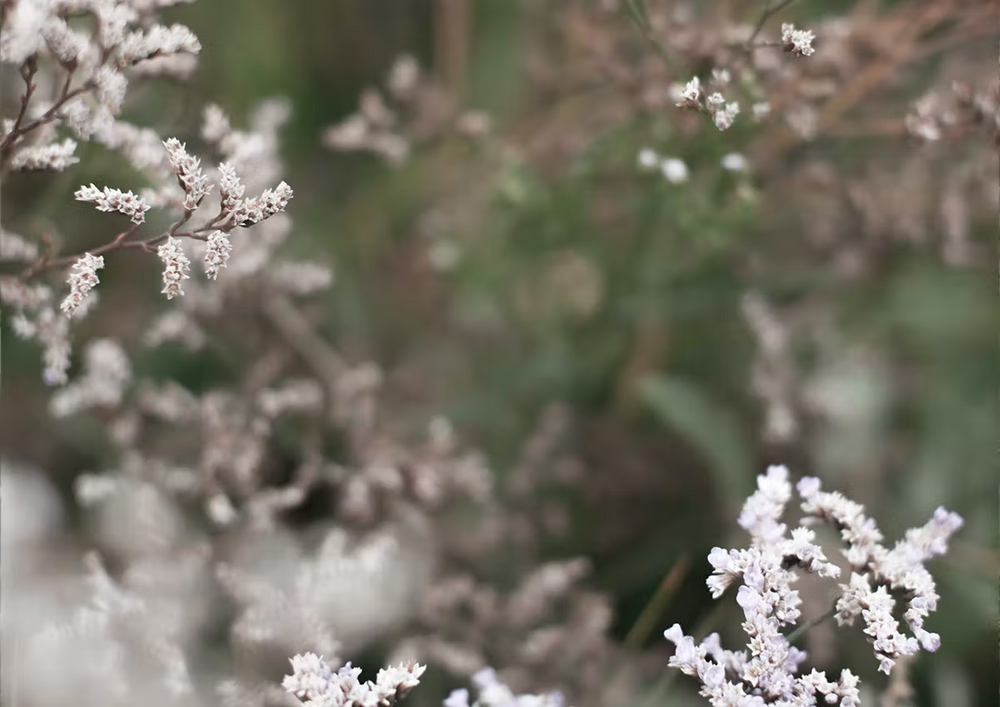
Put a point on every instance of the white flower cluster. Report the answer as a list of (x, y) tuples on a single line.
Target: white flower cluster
[(797, 41), (247, 212), (189, 175), (115, 200), (81, 281), (314, 682), (54, 157), (217, 253), (723, 113), (374, 127), (900, 569), (106, 373), (15, 248), (674, 169), (175, 267), (493, 693), (767, 674)]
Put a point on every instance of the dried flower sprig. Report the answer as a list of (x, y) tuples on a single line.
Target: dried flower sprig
[(766, 674)]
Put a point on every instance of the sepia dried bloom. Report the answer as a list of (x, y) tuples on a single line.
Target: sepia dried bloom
[(175, 267), (404, 77), (110, 87), (797, 41), (15, 248), (300, 278), (215, 124), (106, 373), (22, 30), (217, 253), (189, 175), (229, 187), (109, 200), (54, 157), (65, 44), (248, 212), (81, 281)]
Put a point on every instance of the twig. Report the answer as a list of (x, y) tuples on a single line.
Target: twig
[(327, 364), (768, 12), (804, 628), (637, 12), (19, 130)]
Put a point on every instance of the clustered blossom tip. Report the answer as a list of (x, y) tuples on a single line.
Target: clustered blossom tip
[(81, 281), (768, 672)]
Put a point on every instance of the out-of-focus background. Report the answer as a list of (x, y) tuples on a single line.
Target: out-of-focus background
[(818, 288)]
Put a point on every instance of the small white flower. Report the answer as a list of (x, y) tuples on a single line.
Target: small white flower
[(724, 117), (721, 77), (761, 110), (691, 93), (648, 160), (175, 267), (110, 86), (716, 99), (797, 41), (735, 162), (674, 170)]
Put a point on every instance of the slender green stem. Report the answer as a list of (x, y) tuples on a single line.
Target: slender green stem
[(804, 628), (647, 620)]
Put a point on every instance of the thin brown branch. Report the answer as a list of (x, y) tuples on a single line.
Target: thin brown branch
[(768, 12), (319, 355)]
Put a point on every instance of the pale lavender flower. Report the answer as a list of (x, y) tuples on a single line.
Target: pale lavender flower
[(22, 30), (114, 200), (767, 672), (175, 267), (81, 281)]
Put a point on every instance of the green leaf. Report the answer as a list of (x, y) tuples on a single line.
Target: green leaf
[(707, 426)]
